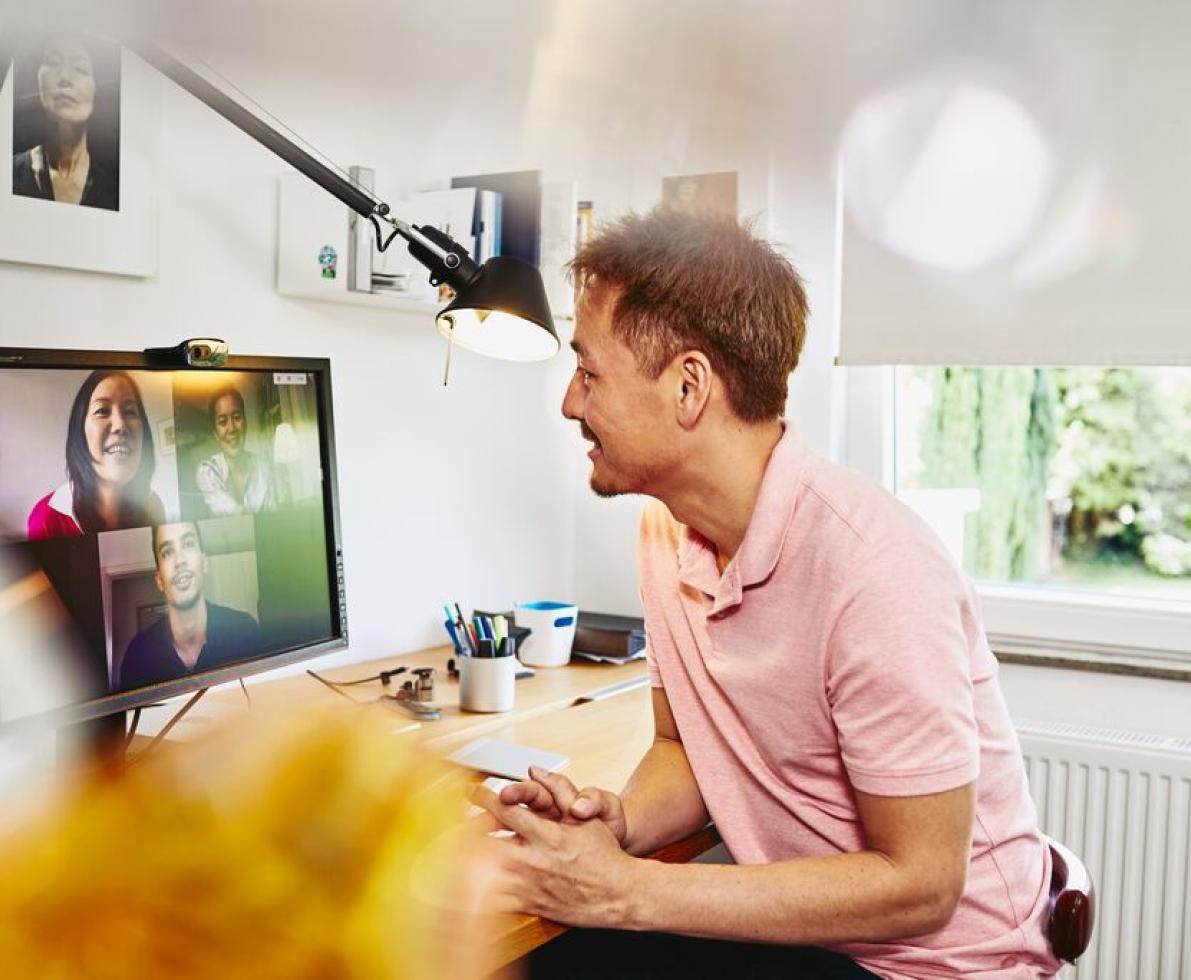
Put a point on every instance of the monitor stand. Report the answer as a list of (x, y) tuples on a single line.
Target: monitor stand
[(87, 743)]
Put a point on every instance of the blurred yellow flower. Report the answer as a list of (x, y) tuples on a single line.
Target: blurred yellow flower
[(284, 847)]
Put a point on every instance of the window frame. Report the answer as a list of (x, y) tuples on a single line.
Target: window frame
[(1027, 620)]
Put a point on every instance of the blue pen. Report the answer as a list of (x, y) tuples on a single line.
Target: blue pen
[(459, 651)]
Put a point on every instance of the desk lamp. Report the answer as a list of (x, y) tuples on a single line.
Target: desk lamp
[(500, 307)]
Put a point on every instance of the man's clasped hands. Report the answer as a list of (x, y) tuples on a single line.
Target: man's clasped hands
[(565, 858)]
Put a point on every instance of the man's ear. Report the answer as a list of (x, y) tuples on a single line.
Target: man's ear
[(694, 378), (157, 580)]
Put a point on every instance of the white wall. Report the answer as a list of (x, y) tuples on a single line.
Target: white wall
[(1126, 703), (470, 492), (477, 492)]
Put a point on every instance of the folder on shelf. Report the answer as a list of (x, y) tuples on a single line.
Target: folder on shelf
[(609, 638), (521, 210), (486, 225)]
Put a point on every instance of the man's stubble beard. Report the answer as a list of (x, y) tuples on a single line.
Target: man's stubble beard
[(607, 493), (630, 484), (184, 606)]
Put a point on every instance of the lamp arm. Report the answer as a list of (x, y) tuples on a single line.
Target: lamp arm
[(354, 197), (447, 260)]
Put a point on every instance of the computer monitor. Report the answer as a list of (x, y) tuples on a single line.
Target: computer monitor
[(183, 522)]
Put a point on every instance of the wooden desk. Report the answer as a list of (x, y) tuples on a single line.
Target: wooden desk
[(551, 689), (604, 738)]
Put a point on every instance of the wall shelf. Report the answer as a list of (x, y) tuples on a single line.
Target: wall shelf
[(379, 301), (310, 220)]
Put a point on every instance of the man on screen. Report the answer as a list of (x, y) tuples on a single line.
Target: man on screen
[(194, 635)]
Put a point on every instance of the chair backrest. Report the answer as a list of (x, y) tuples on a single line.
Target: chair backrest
[(1072, 911)]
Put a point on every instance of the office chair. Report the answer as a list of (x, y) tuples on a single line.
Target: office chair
[(1072, 910)]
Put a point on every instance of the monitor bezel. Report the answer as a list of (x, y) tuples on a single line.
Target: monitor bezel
[(121, 701)]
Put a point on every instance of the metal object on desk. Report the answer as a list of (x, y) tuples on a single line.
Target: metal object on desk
[(422, 687), (416, 696)]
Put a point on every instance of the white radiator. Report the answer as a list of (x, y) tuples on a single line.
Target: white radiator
[(1122, 802)]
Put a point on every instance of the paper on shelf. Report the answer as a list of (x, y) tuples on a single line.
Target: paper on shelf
[(609, 658)]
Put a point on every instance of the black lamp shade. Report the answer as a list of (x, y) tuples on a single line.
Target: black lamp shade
[(502, 313)]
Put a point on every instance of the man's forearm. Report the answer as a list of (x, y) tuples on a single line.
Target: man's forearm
[(662, 802), (840, 898)]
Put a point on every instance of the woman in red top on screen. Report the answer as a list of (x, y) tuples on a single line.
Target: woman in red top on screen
[(109, 458)]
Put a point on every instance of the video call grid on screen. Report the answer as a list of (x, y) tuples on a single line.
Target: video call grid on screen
[(171, 505)]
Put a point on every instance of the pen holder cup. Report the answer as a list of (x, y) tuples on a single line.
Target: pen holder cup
[(553, 625), (487, 683)]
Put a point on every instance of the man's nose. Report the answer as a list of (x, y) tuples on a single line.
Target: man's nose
[(571, 400)]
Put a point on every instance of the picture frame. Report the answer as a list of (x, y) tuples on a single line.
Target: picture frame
[(164, 437), (39, 230), (714, 193)]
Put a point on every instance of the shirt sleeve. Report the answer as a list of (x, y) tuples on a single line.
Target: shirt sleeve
[(651, 665), (213, 487), (899, 677)]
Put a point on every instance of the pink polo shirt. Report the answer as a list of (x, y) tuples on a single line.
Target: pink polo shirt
[(842, 648)]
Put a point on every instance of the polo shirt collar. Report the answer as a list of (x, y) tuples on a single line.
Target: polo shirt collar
[(762, 545)]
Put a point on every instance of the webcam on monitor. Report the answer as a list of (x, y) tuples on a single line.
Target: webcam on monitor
[(196, 352)]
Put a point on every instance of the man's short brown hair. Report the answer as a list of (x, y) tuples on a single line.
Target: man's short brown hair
[(157, 527), (701, 282)]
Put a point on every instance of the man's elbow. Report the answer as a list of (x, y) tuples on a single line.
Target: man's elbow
[(936, 903)]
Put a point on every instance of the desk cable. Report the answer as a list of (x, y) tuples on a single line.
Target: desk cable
[(165, 730), (384, 677)]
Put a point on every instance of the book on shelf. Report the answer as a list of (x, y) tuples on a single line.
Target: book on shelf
[(486, 225), (520, 210)]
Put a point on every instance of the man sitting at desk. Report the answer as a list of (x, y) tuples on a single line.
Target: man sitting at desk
[(194, 635), (822, 686)]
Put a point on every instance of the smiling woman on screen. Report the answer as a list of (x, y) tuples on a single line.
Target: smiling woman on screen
[(109, 459)]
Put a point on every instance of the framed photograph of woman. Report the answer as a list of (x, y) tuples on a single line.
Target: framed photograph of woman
[(79, 124), (701, 193)]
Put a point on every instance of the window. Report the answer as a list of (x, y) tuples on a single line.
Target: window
[(1064, 492)]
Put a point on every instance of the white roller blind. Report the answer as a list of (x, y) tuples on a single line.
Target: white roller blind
[(1031, 209)]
